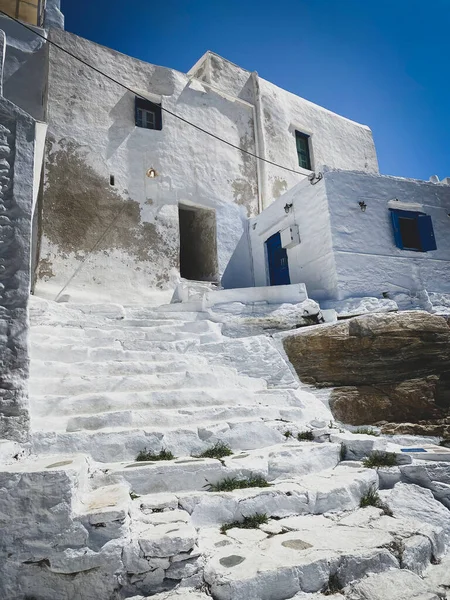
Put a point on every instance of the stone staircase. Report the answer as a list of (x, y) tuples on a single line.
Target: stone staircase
[(82, 518), (110, 381)]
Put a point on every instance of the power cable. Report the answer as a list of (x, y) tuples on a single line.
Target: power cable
[(311, 177), (166, 110)]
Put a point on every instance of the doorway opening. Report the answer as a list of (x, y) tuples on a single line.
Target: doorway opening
[(277, 260), (198, 243)]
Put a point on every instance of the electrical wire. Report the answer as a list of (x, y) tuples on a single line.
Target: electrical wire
[(166, 110)]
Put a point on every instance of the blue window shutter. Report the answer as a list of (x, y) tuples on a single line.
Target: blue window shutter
[(396, 228), (427, 239)]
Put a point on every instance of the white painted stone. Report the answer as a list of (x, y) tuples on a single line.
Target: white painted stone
[(165, 540), (434, 476), (412, 501), (390, 585), (417, 554), (358, 445)]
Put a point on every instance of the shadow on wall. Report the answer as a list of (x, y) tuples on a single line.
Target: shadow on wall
[(123, 115), (239, 271), (25, 86)]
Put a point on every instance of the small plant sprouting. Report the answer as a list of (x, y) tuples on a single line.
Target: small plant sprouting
[(380, 459), (133, 495), (233, 483), (219, 450), (333, 587), (372, 498), (367, 431), (287, 434), (343, 452), (252, 522), (149, 456), (305, 436)]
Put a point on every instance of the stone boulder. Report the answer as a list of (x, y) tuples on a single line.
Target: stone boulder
[(385, 367)]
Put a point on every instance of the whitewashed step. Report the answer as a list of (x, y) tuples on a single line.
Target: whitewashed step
[(79, 353), (115, 444), (93, 403), (159, 331), (329, 490), (166, 363), (161, 419), (73, 386), (193, 474)]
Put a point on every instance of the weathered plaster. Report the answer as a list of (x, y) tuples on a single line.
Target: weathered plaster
[(94, 136), (25, 72), (17, 133), (310, 262), (367, 259)]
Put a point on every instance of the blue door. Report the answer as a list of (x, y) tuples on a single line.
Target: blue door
[(278, 261)]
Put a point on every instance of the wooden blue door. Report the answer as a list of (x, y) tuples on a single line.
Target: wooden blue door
[(278, 261)]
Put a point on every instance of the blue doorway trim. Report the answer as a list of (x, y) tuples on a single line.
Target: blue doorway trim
[(278, 261)]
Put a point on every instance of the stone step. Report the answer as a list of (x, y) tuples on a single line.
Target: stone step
[(72, 386), (168, 419), (127, 342), (317, 492), (311, 553), (156, 331), (93, 403), (273, 463), (124, 444), (163, 363), (80, 353)]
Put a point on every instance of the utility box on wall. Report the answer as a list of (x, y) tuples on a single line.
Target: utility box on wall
[(290, 237)]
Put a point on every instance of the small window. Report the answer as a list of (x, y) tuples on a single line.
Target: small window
[(148, 114), (413, 231), (304, 157)]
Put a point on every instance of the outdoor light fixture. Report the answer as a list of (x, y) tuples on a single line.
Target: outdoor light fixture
[(362, 205), (152, 173), (287, 208)]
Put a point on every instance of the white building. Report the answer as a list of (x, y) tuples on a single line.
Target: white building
[(150, 175), (141, 196), (354, 234)]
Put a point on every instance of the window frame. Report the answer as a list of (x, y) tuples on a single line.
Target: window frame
[(299, 135), (142, 109), (424, 225)]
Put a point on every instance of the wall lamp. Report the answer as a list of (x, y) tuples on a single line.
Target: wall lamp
[(362, 205), (287, 208)]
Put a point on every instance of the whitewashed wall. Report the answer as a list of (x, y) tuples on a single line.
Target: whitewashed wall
[(367, 259), (310, 262), (25, 70), (335, 140), (92, 135), (17, 134)]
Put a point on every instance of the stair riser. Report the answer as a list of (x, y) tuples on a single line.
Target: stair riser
[(52, 369), (72, 386), (170, 419), (69, 354), (54, 406)]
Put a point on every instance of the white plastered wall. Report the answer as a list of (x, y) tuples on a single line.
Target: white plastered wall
[(92, 135), (367, 259), (311, 261), (334, 140)]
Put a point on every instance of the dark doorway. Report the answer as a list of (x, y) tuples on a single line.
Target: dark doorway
[(198, 243), (278, 261)]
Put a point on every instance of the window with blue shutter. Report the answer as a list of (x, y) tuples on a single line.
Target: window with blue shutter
[(413, 230), (147, 114), (303, 153)]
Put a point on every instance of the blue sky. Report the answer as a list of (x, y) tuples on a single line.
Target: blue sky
[(385, 63)]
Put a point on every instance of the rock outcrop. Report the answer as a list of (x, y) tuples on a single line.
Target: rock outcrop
[(386, 367)]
